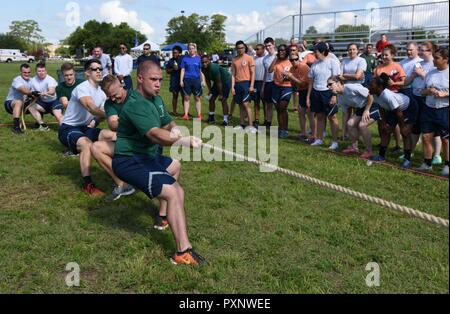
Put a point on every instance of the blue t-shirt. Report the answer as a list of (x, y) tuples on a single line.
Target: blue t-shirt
[(192, 66)]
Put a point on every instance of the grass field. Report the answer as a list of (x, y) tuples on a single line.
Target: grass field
[(261, 233)]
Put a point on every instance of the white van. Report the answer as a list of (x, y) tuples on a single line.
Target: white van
[(14, 55)]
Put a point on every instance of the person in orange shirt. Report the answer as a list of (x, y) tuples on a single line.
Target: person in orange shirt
[(282, 89), (242, 84), (397, 80), (298, 75)]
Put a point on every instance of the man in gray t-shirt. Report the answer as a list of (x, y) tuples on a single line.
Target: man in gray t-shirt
[(97, 53)]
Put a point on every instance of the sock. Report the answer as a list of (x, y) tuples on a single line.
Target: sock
[(243, 126), (225, 118), (16, 122), (87, 180), (408, 155), (446, 163), (212, 113), (428, 162), (383, 151)]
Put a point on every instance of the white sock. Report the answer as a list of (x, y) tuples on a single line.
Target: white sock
[(225, 118), (212, 113)]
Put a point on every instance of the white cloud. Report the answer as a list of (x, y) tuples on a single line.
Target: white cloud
[(114, 13)]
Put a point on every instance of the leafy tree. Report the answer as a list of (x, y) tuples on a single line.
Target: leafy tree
[(27, 30), (311, 30), (8, 41), (104, 34)]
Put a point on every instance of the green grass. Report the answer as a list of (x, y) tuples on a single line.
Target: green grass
[(261, 233)]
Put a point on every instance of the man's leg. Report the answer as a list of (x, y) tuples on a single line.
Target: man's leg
[(175, 102), (107, 136), (58, 115), (248, 110), (16, 107), (198, 106), (103, 152)]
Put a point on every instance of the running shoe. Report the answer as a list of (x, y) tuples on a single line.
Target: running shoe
[(238, 128), (189, 257), (251, 130), (185, 117), (334, 146), (224, 123), (378, 158), (119, 191), (283, 134), (444, 171), (437, 160), (303, 138), (406, 164), (70, 154), (92, 190), (425, 168), (351, 150), (161, 223), (43, 128), (310, 140), (402, 157), (17, 130), (211, 119), (200, 117), (317, 143)]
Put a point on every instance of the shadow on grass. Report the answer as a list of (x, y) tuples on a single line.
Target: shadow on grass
[(133, 214)]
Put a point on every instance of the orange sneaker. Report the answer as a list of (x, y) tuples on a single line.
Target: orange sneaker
[(92, 190), (200, 117), (185, 117), (366, 155), (189, 257)]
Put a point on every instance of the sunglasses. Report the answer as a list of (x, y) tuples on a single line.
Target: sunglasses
[(293, 60), (96, 69), (146, 48), (425, 50)]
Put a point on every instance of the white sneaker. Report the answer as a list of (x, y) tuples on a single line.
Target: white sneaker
[(334, 146), (317, 143), (425, 168), (251, 130), (444, 172), (238, 128)]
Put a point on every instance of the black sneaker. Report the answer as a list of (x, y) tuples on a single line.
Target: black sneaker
[(211, 119), (161, 223), (225, 123), (396, 150), (256, 124), (17, 130)]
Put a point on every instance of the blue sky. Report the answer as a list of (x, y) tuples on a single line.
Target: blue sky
[(151, 17)]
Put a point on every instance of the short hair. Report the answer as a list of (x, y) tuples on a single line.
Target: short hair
[(148, 45), (369, 45), (430, 45), (178, 48), (123, 44), (293, 46), (392, 49), (24, 66), (192, 45), (260, 46), (206, 57), (414, 43), (108, 81), (322, 48), (353, 44), (336, 79), (384, 34), (240, 42), (88, 64), (146, 66), (269, 40), (40, 65), (98, 46), (443, 52), (67, 67)]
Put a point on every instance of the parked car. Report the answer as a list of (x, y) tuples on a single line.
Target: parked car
[(14, 55)]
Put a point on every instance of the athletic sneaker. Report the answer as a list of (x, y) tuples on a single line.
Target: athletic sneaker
[(70, 154), (444, 171), (425, 168), (303, 138), (238, 128), (190, 257), (396, 150), (185, 117), (366, 155), (224, 123), (437, 160), (200, 117), (402, 157), (351, 150), (92, 190), (334, 146), (17, 130), (283, 134), (161, 223), (118, 192), (211, 119), (44, 128), (317, 143), (256, 124), (378, 158), (406, 164), (310, 140), (251, 130)]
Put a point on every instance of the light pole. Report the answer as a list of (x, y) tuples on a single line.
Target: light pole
[(300, 21), (356, 19)]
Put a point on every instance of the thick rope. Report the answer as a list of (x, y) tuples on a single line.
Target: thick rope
[(375, 200)]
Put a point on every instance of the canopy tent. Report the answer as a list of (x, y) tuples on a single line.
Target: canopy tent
[(170, 47), (155, 46)]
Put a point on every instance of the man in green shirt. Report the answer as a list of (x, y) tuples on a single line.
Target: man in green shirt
[(145, 124), (65, 89), (220, 79), (371, 64)]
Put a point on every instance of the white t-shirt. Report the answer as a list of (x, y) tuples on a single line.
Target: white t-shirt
[(259, 68), (439, 80), (17, 83), (267, 61), (351, 66), (354, 95), (418, 84), (322, 70), (42, 86), (408, 66), (390, 101), (123, 65), (303, 55), (76, 114)]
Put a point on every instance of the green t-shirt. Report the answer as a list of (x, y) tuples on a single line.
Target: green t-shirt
[(371, 62), (138, 116), (215, 71), (114, 109), (62, 90)]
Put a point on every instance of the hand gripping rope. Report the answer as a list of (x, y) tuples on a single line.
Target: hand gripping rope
[(375, 200)]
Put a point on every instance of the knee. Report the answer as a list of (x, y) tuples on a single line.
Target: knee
[(95, 148)]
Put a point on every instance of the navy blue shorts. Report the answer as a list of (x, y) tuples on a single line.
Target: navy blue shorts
[(69, 135), (50, 106), (281, 93), (302, 98), (192, 86), (256, 97), (434, 121), (320, 103), (148, 174), (226, 90), (175, 86), (421, 103), (268, 87), (410, 115), (374, 112), (8, 106), (242, 90)]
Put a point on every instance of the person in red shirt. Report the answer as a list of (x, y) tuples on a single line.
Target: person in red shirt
[(382, 43)]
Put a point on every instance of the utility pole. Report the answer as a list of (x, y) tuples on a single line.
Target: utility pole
[(300, 20)]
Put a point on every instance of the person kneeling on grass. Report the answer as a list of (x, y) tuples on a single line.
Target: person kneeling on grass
[(395, 108), (137, 161), (77, 132), (358, 97)]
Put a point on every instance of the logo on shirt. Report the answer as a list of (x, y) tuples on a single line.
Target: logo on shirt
[(244, 63)]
